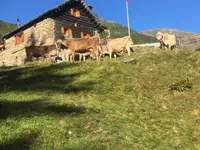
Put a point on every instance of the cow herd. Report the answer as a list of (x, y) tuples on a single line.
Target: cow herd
[(96, 48), (93, 47)]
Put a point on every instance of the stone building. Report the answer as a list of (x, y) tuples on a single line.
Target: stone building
[(72, 18)]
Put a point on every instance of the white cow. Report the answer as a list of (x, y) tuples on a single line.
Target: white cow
[(167, 40), (119, 45)]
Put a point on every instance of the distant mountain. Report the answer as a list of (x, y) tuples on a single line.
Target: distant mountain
[(186, 40), (6, 28), (117, 30)]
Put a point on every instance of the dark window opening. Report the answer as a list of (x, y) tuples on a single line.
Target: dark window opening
[(2, 46), (75, 13), (85, 35), (19, 38), (67, 33)]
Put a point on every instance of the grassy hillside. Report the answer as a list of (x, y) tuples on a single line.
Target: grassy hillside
[(110, 105), (6, 28), (118, 30)]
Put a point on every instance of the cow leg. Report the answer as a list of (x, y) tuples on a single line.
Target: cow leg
[(30, 58), (110, 51), (70, 58), (110, 54), (98, 57), (84, 57), (44, 58), (80, 57), (175, 49), (97, 53), (67, 55), (73, 56), (115, 56), (128, 48), (170, 47)]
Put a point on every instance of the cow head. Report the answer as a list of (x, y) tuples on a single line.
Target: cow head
[(159, 36), (130, 42)]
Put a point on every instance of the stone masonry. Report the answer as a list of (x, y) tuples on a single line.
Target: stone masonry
[(41, 34)]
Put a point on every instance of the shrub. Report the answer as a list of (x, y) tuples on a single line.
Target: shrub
[(181, 85)]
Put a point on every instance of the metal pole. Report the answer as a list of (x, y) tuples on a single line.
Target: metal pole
[(129, 32), (18, 23)]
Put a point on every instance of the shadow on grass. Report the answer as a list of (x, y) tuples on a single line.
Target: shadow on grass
[(39, 79), (7, 67), (23, 142), (37, 108)]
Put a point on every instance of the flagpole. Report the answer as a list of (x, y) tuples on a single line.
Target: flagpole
[(129, 32), (18, 23)]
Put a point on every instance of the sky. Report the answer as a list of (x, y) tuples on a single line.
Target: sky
[(144, 14)]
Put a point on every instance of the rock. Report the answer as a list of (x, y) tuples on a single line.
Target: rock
[(128, 60)]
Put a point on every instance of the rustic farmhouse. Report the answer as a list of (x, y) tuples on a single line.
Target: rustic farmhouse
[(73, 18)]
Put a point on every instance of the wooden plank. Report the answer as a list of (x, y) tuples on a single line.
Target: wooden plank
[(67, 21)]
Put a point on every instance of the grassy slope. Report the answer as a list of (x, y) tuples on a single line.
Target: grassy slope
[(102, 106), (6, 28), (118, 30)]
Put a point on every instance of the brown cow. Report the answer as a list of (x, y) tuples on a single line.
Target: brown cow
[(79, 44), (39, 51), (119, 45)]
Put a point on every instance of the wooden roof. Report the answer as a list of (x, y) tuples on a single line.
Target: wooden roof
[(58, 10)]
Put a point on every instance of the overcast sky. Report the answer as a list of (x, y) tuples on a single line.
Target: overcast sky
[(144, 14)]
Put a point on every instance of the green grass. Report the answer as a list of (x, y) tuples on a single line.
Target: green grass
[(110, 105)]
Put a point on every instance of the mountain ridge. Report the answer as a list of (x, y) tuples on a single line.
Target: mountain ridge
[(180, 33)]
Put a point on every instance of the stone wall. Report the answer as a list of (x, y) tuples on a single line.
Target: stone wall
[(41, 34)]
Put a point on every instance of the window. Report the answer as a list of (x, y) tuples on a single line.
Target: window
[(75, 13), (19, 38), (66, 32), (85, 35)]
